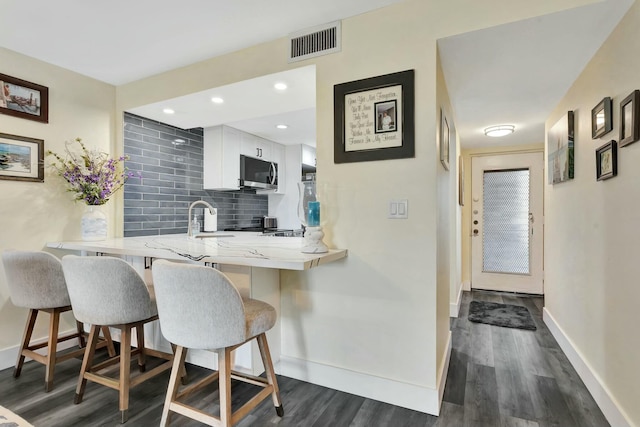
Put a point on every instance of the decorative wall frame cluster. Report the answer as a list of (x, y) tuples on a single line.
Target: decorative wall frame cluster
[(20, 98), (373, 118)]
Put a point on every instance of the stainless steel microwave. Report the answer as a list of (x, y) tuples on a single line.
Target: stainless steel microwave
[(256, 173)]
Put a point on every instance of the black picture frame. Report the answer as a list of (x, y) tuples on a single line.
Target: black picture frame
[(607, 161), (630, 119), (358, 107), (20, 98), (601, 119), (445, 133), (21, 158)]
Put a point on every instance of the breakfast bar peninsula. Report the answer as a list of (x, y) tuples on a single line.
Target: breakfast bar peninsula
[(251, 260)]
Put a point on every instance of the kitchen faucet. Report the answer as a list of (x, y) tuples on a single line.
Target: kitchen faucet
[(197, 202)]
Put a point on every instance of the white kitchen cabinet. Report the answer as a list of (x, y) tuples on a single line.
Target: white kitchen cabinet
[(221, 161), (308, 155), (254, 146), (222, 148)]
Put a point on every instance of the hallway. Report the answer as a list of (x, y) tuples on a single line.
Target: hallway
[(498, 377)]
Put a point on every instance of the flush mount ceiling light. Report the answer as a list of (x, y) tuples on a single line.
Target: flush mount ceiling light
[(501, 130), (217, 100), (168, 111), (280, 86), (282, 126)]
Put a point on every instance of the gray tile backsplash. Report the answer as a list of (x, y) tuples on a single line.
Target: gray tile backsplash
[(171, 180)]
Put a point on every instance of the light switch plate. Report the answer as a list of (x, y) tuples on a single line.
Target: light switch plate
[(398, 209)]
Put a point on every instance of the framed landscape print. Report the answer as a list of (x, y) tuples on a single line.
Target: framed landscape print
[(21, 158), (560, 140), (373, 118), (20, 98)]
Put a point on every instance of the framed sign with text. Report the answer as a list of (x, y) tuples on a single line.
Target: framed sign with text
[(374, 118)]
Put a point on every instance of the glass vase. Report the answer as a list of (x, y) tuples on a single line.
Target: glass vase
[(309, 214), (94, 224)]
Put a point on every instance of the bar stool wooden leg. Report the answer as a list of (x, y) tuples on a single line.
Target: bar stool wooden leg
[(107, 336), (26, 338), (224, 368), (80, 327), (125, 372), (50, 361), (141, 349), (87, 362), (179, 355), (271, 375)]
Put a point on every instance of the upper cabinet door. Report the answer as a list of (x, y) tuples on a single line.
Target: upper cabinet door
[(254, 146), (308, 155)]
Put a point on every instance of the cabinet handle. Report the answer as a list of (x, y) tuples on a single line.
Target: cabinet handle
[(260, 151), (257, 152)]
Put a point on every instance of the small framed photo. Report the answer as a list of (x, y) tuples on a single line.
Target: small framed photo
[(607, 161), (601, 120), (386, 116), (21, 158), (444, 140), (20, 98), (630, 119)]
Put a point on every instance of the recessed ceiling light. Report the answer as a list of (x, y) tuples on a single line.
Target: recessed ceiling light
[(280, 86), (498, 131), (217, 100), (168, 111), (282, 126)]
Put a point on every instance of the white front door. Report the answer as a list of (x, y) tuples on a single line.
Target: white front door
[(507, 222)]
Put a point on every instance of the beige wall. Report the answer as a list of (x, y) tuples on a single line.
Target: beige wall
[(467, 154), (381, 312), (35, 213), (592, 234)]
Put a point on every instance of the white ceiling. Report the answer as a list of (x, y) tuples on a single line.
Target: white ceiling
[(510, 74), (518, 72)]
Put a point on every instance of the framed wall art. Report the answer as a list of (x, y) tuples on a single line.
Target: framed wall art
[(630, 118), (601, 120), (373, 118), (445, 133), (607, 161), (560, 144), (460, 181), (21, 158), (20, 98)]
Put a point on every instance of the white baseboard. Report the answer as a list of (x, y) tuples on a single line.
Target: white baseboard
[(8, 356), (466, 286), (454, 307), (406, 395), (607, 403)]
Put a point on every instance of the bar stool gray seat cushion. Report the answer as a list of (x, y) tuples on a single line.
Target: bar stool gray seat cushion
[(200, 308), (106, 291), (35, 280)]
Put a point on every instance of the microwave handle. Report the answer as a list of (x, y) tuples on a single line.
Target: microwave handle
[(272, 173)]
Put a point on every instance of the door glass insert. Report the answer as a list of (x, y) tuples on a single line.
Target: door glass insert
[(505, 215)]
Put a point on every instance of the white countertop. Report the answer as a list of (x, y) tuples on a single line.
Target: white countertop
[(235, 248)]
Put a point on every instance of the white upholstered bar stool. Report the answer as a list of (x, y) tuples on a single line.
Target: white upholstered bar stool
[(200, 308), (36, 282), (107, 291)]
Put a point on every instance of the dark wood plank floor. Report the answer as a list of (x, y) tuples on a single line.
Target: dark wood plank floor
[(498, 377)]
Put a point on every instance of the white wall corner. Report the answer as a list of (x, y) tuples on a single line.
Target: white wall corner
[(466, 286), (454, 307), (607, 403)]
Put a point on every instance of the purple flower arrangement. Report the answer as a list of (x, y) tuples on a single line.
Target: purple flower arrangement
[(91, 175)]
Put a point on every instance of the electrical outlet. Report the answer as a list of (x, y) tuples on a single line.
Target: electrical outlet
[(398, 209)]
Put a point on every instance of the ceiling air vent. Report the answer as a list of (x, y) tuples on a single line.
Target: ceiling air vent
[(316, 41)]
